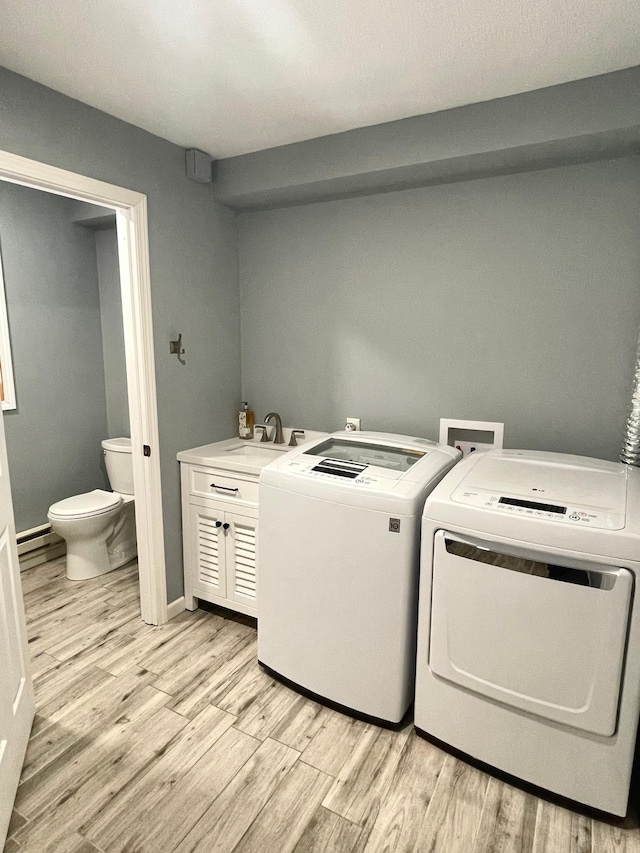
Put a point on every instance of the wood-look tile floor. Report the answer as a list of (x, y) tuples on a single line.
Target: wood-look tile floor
[(172, 739)]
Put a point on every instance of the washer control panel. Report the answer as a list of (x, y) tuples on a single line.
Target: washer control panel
[(341, 472), (541, 510)]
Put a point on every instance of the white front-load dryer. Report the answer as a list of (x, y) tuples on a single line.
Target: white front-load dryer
[(528, 633), (339, 557)]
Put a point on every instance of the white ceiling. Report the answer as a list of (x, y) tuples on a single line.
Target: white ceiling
[(233, 76)]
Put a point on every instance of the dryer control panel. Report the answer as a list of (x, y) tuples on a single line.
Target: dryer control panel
[(511, 505)]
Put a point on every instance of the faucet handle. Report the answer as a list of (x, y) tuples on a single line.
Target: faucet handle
[(263, 427), (294, 432)]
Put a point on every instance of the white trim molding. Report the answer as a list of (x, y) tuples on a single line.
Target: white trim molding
[(133, 250), (135, 275), (6, 360), (175, 608)]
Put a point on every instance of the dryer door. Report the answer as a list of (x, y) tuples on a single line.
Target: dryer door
[(542, 635)]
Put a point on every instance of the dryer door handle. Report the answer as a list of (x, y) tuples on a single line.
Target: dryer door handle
[(540, 563)]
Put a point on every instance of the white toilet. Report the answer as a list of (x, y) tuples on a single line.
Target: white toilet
[(100, 527)]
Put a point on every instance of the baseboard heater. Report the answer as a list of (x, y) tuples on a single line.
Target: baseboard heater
[(38, 545)]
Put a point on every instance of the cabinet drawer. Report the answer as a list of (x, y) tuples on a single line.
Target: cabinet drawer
[(212, 484)]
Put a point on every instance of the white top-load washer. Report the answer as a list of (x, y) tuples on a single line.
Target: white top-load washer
[(528, 631), (339, 557)]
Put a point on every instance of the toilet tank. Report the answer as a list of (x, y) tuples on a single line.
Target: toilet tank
[(117, 457)]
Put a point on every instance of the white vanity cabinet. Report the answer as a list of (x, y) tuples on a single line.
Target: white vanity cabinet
[(220, 519), (220, 538)]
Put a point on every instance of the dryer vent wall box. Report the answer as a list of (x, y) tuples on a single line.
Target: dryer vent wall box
[(339, 555), (471, 436), (529, 620)]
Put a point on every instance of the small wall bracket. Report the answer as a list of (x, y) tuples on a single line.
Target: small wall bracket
[(176, 348)]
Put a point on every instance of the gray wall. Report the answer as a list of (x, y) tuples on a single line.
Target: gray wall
[(115, 371), (512, 299), (575, 122), (194, 273), (53, 439)]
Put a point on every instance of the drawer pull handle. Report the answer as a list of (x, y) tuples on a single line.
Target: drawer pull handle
[(224, 488), (226, 526), (218, 524)]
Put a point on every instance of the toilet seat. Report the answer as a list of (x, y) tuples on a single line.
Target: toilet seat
[(86, 505)]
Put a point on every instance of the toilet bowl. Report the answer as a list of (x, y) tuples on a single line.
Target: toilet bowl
[(99, 526)]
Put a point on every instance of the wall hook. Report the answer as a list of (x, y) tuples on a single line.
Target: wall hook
[(175, 348)]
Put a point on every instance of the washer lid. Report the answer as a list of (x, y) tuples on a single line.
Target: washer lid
[(85, 505), (119, 445)]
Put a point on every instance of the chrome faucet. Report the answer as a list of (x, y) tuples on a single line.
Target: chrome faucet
[(278, 438)]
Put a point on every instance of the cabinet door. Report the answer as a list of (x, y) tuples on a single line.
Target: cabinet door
[(242, 544), (208, 550)]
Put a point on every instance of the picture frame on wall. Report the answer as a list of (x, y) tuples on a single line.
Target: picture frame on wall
[(7, 384)]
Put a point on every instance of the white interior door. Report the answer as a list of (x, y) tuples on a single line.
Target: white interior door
[(16, 688)]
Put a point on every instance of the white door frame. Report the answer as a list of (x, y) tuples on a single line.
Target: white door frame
[(135, 277)]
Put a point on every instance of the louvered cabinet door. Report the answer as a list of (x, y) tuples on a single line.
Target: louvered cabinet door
[(208, 570), (242, 545)]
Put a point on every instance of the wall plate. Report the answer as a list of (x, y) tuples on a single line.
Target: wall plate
[(465, 435)]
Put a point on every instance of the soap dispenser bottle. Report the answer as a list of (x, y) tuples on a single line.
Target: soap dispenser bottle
[(245, 422)]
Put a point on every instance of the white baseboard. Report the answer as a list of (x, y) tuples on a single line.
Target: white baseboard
[(175, 607), (39, 545), (36, 537), (42, 555)]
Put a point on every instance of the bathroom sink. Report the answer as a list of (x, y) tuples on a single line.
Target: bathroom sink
[(234, 454), (255, 450), (240, 455)]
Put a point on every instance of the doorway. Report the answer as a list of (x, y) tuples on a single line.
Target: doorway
[(133, 255)]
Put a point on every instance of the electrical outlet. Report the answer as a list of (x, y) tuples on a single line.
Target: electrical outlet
[(352, 424)]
